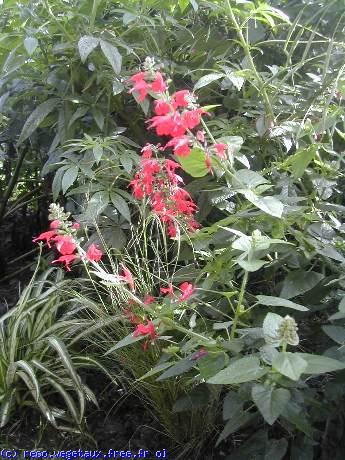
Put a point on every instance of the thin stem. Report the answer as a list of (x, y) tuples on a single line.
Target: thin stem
[(239, 304), (246, 50)]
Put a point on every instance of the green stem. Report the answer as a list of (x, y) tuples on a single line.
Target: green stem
[(246, 50), (239, 304)]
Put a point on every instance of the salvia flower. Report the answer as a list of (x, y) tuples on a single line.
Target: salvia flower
[(187, 290), (94, 254)]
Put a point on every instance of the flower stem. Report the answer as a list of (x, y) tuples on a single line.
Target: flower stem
[(239, 304)]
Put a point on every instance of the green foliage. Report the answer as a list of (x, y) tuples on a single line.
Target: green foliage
[(271, 76)]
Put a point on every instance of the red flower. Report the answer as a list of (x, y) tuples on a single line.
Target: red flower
[(168, 125), (45, 236), (55, 224), (180, 145), (162, 107), (220, 150), (94, 254), (180, 98), (158, 84), (168, 290), (127, 277), (64, 244), (66, 259), (148, 299), (133, 318), (187, 290), (140, 85), (172, 231), (147, 151), (76, 225), (149, 329), (191, 118)]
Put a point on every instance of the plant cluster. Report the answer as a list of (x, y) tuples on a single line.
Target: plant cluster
[(214, 261)]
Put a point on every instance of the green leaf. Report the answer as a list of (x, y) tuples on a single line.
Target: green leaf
[(238, 419), (97, 152), (36, 118), (301, 159), (250, 179), (336, 333), (291, 365), (112, 54), (66, 360), (276, 449), (251, 265), (179, 368), (86, 44), (232, 403), (317, 364), (155, 370), (298, 282), (30, 44), (279, 302), (243, 370), (6, 406), (128, 340), (270, 401), (98, 116), (121, 205), (183, 4), (207, 79), (195, 163), (268, 204), (68, 178)]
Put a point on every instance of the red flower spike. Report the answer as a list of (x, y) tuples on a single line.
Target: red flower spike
[(187, 290), (76, 226), (162, 107), (66, 259), (191, 118), (180, 145), (180, 98), (55, 224), (147, 151), (127, 277), (64, 244), (158, 85), (149, 329), (45, 236), (93, 254), (168, 290)]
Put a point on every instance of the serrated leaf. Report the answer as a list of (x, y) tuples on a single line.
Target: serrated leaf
[(290, 364), (113, 56), (36, 118), (272, 301), (68, 178), (30, 44), (207, 79), (86, 44), (270, 401), (121, 205), (194, 164), (243, 370)]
